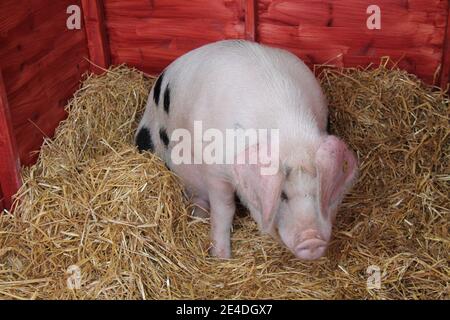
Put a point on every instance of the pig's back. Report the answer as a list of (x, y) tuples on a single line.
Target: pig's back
[(235, 83), (232, 80)]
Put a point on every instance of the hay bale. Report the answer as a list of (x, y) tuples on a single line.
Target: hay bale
[(92, 201)]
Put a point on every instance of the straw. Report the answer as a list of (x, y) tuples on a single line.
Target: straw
[(93, 207)]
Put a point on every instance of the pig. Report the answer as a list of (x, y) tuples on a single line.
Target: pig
[(242, 84)]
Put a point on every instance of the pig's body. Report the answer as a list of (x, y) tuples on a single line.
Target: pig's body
[(239, 84)]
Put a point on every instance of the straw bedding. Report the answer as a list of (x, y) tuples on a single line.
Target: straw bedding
[(94, 202)]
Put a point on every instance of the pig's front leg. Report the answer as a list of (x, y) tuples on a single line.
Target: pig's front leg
[(221, 199)]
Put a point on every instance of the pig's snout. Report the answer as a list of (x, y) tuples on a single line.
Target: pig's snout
[(311, 246), (311, 249)]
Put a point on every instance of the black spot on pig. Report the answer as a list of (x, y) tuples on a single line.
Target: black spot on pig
[(164, 137), (167, 99), (157, 89), (144, 140)]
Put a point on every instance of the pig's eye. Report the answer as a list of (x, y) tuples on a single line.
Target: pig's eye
[(284, 196)]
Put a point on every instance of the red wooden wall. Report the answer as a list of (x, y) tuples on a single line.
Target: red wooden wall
[(151, 34), (335, 31), (41, 62)]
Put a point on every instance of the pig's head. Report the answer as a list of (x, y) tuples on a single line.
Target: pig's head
[(298, 204)]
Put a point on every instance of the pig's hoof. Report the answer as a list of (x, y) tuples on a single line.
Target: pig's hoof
[(221, 253), (200, 213)]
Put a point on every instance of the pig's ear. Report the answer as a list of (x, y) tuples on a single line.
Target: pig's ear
[(337, 168), (260, 187)]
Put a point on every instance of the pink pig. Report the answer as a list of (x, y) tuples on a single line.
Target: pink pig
[(239, 84)]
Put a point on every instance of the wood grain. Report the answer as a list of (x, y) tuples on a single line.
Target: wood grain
[(97, 38), (250, 20), (2, 199), (9, 157), (151, 34), (445, 73), (42, 64), (336, 32)]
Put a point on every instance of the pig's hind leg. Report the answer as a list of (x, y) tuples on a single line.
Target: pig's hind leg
[(194, 186)]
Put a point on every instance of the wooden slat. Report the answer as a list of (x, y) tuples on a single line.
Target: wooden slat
[(151, 34), (95, 25), (9, 157), (1, 200), (250, 20), (412, 30), (445, 73), (42, 64)]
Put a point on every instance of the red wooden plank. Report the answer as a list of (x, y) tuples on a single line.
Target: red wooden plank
[(412, 30), (42, 63), (250, 20), (151, 34), (9, 158), (94, 20), (445, 74), (1, 200)]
